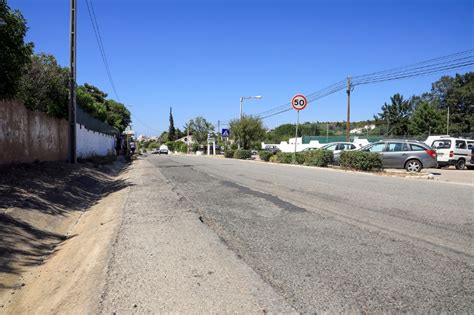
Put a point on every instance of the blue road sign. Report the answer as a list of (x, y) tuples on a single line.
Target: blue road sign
[(225, 133)]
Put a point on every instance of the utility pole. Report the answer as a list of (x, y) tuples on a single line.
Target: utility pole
[(327, 132), (447, 123), (348, 123), (219, 127), (72, 145)]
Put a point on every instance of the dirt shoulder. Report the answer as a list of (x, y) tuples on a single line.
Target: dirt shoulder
[(57, 222)]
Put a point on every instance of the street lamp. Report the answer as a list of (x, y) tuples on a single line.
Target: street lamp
[(242, 98)]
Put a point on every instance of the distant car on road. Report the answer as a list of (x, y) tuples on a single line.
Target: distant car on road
[(408, 154), (272, 148), (163, 149), (155, 151)]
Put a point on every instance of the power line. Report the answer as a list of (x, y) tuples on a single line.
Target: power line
[(453, 61), (100, 43)]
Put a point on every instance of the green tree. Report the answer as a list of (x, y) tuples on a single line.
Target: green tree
[(281, 133), (395, 116), (457, 94), (88, 103), (44, 86), (14, 52), (426, 119), (171, 129), (247, 131), (98, 95), (118, 116), (199, 127)]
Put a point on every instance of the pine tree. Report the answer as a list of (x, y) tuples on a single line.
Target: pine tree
[(171, 130)]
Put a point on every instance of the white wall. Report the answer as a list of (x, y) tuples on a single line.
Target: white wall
[(290, 147), (92, 143)]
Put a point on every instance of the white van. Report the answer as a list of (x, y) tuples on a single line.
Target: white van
[(451, 151)]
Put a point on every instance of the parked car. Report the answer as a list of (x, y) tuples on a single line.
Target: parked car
[(452, 151), (471, 163), (163, 149), (155, 151), (272, 148), (408, 154), (337, 148)]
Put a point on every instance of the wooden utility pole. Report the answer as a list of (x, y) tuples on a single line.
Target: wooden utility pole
[(348, 123), (72, 145)]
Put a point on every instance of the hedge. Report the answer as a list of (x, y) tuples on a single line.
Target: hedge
[(321, 158), (180, 147), (229, 153), (265, 155), (283, 157), (361, 160), (242, 154)]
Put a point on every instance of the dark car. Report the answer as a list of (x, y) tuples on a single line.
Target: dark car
[(408, 154), (272, 148)]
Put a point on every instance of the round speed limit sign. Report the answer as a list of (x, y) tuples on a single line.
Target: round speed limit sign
[(299, 102)]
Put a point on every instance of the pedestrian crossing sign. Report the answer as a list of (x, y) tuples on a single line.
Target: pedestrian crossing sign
[(225, 133)]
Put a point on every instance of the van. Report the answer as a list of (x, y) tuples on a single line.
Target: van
[(452, 151)]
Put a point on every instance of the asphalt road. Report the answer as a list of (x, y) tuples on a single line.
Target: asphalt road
[(329, 240)]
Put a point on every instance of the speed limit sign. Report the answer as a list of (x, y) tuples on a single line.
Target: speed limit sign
[(299, 102)]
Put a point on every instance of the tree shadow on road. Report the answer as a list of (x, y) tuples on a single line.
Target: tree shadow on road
[(36, 203)]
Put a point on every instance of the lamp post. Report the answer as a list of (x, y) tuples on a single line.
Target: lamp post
[(242, 98)]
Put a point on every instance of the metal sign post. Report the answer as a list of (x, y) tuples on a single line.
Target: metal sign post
[(298, 102)]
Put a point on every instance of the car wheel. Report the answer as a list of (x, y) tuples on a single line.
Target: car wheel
[(460, 164), (413, 166)]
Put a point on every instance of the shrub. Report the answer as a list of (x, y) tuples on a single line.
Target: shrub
[(180, 146), (319, 158), (273, 159), (361, 160), (299, 157), (265, 155), (284, 157), (171, 145), (229, 153), (242, 154)]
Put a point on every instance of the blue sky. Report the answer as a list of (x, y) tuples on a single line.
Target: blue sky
[(200, 56)]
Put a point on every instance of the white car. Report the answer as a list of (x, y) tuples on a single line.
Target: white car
[(163, 149), (452, 151)]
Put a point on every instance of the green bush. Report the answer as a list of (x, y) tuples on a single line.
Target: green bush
[(153, 145), (171, 145), (319, 158), (242, 154), (283, 157), (299, 157), (229, 153), (273, 159), (265, 155), (361, 160), (180, 146)]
